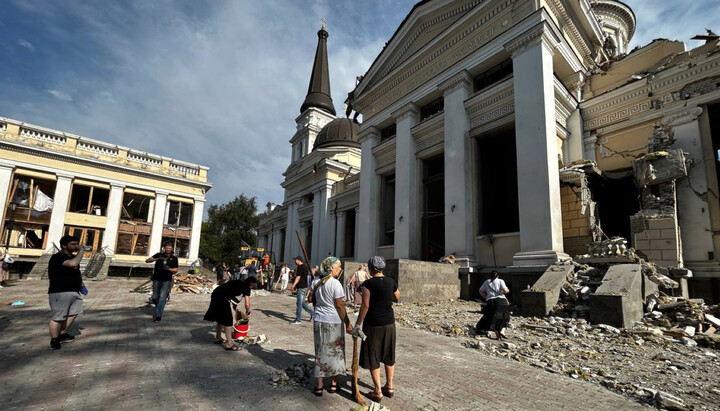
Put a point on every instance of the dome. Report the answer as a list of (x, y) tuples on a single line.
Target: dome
[(617, 21), (339, 132)]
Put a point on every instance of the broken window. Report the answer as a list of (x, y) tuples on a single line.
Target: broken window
[(178, 226), (88, 200), (28, 225), (181, 245), (178, 214), (387, 213), (432, 108), (135, 225), (498, 186), (89, 237), (493, 75), (349, 234)]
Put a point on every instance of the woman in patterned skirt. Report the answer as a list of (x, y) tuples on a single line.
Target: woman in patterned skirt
[(327, 295)]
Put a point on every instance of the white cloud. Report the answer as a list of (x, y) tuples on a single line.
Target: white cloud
[(26, 44), (60, 95)]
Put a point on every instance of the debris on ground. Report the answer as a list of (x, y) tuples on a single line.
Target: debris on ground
[(658, 362), (294, 375), (184, 283)]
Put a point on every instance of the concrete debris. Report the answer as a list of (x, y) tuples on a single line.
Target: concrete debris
[(295, 375), (669, 402), (184, 283), (637, 362)]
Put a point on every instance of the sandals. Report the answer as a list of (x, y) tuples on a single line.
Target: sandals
[(232, 348), (318, 391), (373, 396), (388, 392), (333, 388)]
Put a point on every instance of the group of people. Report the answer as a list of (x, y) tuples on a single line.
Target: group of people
[(375, 323)]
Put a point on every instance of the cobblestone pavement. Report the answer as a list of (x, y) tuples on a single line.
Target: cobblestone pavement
[(122, 360)]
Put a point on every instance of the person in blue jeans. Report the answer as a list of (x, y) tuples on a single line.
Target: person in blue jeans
[(300, 285), (166, 265)]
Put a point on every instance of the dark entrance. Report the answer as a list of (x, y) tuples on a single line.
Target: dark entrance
[(714, 116), (308, 241), (433, 215), (617, 200)]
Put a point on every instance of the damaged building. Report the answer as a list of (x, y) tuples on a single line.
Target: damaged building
[(514, 134)]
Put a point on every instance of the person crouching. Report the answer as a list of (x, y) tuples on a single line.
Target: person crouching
[(220, 310)]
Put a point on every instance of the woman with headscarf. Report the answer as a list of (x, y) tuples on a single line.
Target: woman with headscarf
[(377, 321), (327, 294), (496, 314)]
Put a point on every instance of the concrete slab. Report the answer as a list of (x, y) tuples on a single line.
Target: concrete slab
[(619, 300), (540, 299), (424, 281)]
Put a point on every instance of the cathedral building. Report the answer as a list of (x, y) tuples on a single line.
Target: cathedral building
[(512, 133)]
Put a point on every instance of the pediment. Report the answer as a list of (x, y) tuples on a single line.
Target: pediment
[(425, 22)]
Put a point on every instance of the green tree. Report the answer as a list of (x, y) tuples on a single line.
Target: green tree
[(228, 225)]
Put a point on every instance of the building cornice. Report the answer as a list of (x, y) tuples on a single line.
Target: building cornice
[(541, 33), (462, 79), (409, 110)]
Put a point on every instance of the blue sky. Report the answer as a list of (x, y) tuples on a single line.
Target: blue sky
[(218, 83)]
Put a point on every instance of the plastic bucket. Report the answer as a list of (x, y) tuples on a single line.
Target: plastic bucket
[(240, 331)]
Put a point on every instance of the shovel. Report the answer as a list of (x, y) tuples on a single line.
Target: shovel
[(356, 359)]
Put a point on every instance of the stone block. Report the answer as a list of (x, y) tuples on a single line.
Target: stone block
[(619, 299), (540, 299), (669, 254), (564, 206), (668, 234), (654, 255), (653, 234), (571, 232), (641, 235), (663, 245), (577, 223), (424, 281), (661, 223), (654, 168), (642, 244)]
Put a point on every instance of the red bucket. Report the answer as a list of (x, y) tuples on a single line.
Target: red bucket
[(240, 331)]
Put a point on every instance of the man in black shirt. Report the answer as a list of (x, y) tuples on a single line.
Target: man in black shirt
[(301, 286), (66, 299), (166, 265)]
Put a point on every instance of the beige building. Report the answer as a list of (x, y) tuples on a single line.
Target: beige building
[(122, 203)]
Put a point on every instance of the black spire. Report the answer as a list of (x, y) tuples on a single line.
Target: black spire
[(318, 95)]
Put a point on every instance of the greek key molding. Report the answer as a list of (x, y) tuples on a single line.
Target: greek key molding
[(491, 105), (623, 113)]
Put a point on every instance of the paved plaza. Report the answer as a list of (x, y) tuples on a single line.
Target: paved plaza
[(122, 360)]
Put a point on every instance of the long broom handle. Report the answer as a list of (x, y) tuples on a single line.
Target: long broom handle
[(302, 247)]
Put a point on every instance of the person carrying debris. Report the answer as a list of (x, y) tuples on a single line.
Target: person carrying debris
[(329, 336), (496, 314), (66, 290), (377, 320), (166, 265), (220, 309)]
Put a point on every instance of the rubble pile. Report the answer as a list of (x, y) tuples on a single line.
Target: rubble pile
[(294, 375), (644, 362), (184, 283)]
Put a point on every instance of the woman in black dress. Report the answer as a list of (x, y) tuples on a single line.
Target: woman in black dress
[(220, 310), (377, 320)]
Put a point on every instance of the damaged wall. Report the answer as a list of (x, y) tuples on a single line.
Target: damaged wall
[(576, 228)]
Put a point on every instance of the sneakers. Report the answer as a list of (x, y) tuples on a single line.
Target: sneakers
[(55, 344), (157, 319), (66, 338), (295, 322)]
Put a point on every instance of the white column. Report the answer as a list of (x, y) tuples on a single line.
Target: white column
[(198, 210), (406, 210), (541, 241), (291, 243), (157, 224), (459, 232), (338, 221), (5, 183), (367, 217), (693, 212), (113, 217), (60, 205)]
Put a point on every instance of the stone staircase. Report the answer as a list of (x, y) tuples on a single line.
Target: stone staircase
[(39, 270)]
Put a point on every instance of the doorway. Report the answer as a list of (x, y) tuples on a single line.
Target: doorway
[(617, 200), (433, 206)]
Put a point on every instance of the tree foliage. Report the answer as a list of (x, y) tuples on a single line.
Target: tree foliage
[(228, 225)]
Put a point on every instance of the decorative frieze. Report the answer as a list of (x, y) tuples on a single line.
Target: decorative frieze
[(97, 148), (43, 136), (429, 133), (492, 104)]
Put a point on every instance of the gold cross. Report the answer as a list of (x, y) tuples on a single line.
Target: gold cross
[(324, 22)]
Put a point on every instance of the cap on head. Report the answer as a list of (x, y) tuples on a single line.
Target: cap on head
[(67, 239), (376, 264)]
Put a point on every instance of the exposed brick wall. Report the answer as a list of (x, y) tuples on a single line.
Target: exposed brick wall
[(575, 224), (576, 245), (657, 238)]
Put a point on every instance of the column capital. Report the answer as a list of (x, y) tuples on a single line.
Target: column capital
[(687, 115), (7, 167), (368, 133), (61, 176), (199, 201), (463, 79), (409, 110), (162, 193), (117, 185), (541, 33)]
